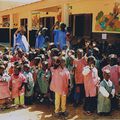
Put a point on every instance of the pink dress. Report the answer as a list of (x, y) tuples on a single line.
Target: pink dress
[(114, 75), (91, 80), (60, 80), (15, 83), (4, 88), (79, 64)]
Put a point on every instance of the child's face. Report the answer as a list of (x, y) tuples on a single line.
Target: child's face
[(45, 66), (1, 70), (26, 69), (63, 63), (16, 71), (91, 62), (79, 55), (106, 76)]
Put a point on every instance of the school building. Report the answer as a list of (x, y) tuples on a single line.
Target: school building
[(97, 19)]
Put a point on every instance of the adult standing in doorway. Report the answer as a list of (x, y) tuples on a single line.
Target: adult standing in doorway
[(42, 38), (60, 37), (20, 40)]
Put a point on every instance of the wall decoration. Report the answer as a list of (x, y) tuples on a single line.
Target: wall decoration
[(35, 20), (15, 20), (6, 21), (109, 22)]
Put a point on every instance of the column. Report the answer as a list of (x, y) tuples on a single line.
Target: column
[(65, 14), (11, 27)]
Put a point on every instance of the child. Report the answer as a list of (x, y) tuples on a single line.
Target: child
[(79, 64), (43, 79), (70, 67), (29, 85), (106, 92), (91, 81), (59, 85), (114, 77), (4, 88), (17, 87)]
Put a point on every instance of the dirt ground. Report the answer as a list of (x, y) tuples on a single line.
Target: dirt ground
[(43, 112)]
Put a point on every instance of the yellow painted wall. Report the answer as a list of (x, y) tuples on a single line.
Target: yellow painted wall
[(78, 7), (92, 6)]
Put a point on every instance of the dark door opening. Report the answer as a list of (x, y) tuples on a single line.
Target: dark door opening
[(81, 24), (24, 22)]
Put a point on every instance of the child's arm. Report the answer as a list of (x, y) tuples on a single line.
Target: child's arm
[(21, 86), (23, 79)]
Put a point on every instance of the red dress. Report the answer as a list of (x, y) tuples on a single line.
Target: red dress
[(4, 88), (15, 83)]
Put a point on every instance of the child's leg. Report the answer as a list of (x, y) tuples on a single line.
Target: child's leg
[(76, 95), (63, 103), (21, 99), (57, 102), (86, 105), (16, 101), (82, 92)]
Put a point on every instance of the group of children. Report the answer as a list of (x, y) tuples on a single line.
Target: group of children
[(59, 74), (50, 75)]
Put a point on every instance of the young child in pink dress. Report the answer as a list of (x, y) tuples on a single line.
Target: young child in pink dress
[(79, 64), (59, 85), (17, 87), (4, 88), (91, 81)]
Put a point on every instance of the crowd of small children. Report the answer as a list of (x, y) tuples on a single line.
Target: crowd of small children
[(60, 73)]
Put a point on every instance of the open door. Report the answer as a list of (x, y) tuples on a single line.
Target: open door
[(81, 24)]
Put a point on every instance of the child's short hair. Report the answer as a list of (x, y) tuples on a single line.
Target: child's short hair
[(91, 58), (18, 67)]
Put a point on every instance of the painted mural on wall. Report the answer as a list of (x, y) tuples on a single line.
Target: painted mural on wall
[(109, 22), (6, 21), (35, 20)]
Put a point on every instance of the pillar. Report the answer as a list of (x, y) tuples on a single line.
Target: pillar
[(65, 14)]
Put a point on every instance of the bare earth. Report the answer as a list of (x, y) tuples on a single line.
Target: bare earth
[(43, 112)]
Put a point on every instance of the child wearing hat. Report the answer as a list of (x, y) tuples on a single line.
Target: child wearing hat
[(105, 94)]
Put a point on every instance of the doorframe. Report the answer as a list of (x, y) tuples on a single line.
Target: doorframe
[(74, 19)]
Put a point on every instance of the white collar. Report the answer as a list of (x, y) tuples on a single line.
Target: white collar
[(109, 83)]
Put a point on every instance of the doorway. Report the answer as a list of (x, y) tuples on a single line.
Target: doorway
[(48, 22), (81, 24), (24, 22)]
